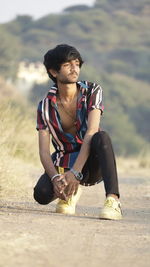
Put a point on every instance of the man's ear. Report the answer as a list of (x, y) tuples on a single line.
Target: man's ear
[(53, 72)]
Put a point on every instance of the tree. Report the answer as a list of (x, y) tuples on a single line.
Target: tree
[(9, 54), (76, 8)]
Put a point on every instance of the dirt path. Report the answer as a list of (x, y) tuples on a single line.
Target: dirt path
[(34, 235)]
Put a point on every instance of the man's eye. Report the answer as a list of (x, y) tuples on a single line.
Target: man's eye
[(77, 63), (66, 65)]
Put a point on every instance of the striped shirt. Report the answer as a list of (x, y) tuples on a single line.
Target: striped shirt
[(67, 146)]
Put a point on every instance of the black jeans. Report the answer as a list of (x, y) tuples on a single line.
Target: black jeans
[(99, 166)]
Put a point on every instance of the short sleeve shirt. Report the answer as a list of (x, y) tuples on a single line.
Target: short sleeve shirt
[(67, 146)]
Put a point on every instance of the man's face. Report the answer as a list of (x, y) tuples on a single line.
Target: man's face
[(69, 72)]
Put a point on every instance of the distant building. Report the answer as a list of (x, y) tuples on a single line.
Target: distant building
[(30, 73)]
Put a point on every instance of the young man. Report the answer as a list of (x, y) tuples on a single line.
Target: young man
[(70, 114)]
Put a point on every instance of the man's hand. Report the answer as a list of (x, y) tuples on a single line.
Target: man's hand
[(59, 185), (72, 184)]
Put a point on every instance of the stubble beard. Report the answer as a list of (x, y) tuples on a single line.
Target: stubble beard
[(66, 80)]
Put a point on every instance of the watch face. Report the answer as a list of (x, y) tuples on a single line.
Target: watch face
[(79, 176)]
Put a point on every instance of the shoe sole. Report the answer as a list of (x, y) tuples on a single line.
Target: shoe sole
[(106, 217), (64, 212)]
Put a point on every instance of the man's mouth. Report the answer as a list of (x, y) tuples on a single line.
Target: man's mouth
[(74, 74)]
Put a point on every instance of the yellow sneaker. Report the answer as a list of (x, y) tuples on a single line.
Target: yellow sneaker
[(111, 210), (68, 207)]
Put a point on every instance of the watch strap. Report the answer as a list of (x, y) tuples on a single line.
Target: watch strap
[(77, 174)]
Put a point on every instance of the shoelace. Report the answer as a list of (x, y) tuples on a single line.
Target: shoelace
[(66, 201), (109, 203)]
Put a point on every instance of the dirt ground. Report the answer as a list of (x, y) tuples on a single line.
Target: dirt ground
[(34, 235)]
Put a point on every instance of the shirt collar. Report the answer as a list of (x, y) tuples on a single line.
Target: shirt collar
[(82, 85)]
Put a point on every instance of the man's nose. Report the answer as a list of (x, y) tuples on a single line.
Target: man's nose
[(73, 66)]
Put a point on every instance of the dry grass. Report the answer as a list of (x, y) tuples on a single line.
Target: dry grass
[(19, 151), (18, 143), (19, 160), (18, 134), (139, 165)]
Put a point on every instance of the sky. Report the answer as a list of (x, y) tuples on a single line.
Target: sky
[(36, 8)]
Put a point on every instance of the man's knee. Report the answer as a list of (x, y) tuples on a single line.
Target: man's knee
[(101, 135), (43, 195), (100, 139)]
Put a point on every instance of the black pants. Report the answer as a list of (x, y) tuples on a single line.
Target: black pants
[(99, 166)]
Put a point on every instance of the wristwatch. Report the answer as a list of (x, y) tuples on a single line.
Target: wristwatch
[(78, 175)]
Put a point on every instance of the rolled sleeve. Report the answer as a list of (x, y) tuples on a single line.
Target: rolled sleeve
[(41, 123), (96, 99)]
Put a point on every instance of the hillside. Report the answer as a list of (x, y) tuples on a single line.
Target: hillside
[(113, 38)]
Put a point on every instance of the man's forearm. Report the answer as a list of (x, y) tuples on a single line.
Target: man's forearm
[(84, 152), (48, 165), (93, 127)]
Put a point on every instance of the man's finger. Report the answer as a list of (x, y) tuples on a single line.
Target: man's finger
[(64, 182), (59, 190), (59, 194), (59, 178), (70, 190), (56, 190), (76, 190)]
